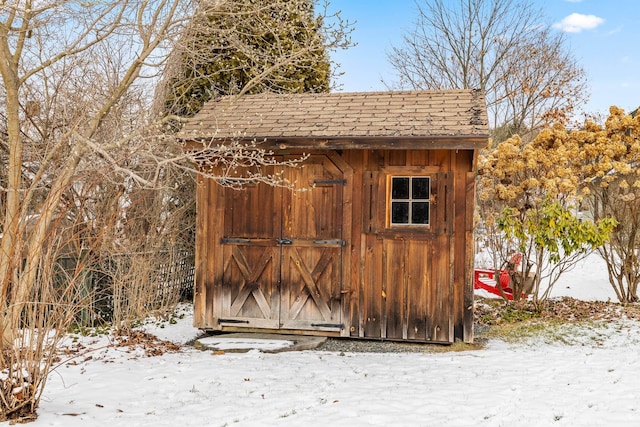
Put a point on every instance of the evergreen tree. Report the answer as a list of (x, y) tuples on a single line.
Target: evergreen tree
[(246, 47)]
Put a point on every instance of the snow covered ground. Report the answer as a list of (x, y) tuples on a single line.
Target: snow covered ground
[(590, 381)]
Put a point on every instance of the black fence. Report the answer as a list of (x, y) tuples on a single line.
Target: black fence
[(174, 277)]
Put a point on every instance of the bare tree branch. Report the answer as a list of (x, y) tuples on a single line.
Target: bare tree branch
[(502, 47)]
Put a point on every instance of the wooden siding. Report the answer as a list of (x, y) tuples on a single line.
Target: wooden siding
[(396, 283), (412, 283)]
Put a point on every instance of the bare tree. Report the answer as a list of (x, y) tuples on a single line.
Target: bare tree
[(500, 46), (77, 80), (622, 253)]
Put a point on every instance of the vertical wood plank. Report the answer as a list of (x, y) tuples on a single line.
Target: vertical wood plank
[(372, 287), (394, 289), (396, 157), (441, 298), (419, 158), (361, 226), (367, 206), (460, 167), (200, 290), (383, 293), (407, 286), (215, 259), (361, 286), (441, 159), (418, 278), (352, 288), (441, 292), (468, 333), (378, 202), (351, 252)]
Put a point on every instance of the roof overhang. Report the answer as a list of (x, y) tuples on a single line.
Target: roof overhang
[(457, 142)]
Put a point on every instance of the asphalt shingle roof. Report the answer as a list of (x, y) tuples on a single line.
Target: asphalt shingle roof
[(339, 115)]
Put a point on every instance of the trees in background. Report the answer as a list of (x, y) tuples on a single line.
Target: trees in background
[(609, 165), (540, 187), (535, 187), (530, 79), (73, 98), (81, 150), (502, 47), (250, 46), (246, 47)]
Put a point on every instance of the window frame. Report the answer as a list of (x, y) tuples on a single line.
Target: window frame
[(410, 200)]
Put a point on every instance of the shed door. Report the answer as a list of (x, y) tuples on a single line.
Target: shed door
[(283, 252), (249, 294), (312, 254)]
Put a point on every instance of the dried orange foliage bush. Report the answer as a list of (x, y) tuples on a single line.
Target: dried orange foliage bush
[(608, 162), (594, 167), (522, 175), (517, 175)]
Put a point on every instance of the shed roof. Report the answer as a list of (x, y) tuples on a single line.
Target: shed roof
[(394, 119)]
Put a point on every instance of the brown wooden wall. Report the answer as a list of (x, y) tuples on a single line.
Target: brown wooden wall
[(399, 283), (413, 283)]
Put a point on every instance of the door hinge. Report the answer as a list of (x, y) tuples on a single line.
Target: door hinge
[(232, 321), (329, 242), (230, 240), (328, 325), (329, 181)]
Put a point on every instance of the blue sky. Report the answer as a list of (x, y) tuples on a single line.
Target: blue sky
[(604, 36)]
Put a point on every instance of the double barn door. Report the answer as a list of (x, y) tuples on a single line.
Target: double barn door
[(283, 251)]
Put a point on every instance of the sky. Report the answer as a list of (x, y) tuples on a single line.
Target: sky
[(602, 34)]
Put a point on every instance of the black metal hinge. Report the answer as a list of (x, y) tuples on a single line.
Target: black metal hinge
[(329, 181), (232, 321), (230, 240), (327, 325), (329, 242)]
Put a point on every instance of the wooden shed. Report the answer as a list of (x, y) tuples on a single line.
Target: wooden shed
[(379, 246)]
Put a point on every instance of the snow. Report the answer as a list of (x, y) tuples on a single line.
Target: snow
[(588, 281), (587, 379), (222, 343)]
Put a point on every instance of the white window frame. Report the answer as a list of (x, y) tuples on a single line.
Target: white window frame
[(410, 200)]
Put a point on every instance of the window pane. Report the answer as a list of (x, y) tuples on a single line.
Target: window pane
[(420, 213), (400, 212), (400, 188), (420, 188)]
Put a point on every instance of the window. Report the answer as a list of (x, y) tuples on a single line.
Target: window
[(410, 200)]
